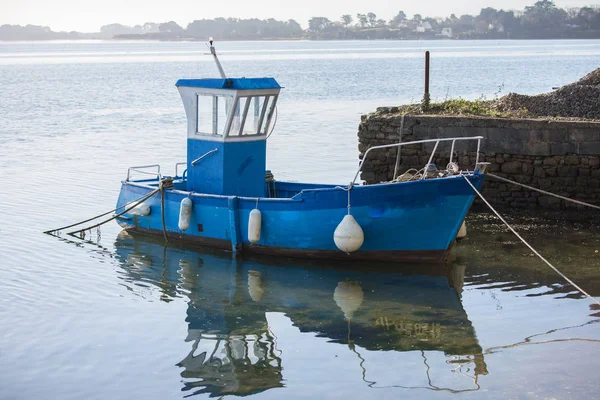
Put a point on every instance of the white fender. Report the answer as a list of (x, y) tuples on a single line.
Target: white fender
[(141, 209), (348, 235), (254, 221), (185, 214)]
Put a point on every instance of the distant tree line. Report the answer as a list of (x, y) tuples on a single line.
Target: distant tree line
[(34, 32), (542, 20)]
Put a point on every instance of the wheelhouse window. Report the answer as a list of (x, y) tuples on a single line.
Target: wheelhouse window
[(212, 114), (252, 115)]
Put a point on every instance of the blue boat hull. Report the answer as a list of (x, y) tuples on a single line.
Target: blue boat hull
[(410, 221)]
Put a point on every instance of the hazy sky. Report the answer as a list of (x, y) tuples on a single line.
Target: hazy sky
[(88, 16)]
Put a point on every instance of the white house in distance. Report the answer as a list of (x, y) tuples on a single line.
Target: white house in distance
[(424, 27)]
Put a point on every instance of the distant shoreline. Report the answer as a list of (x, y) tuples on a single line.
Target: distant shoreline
[(542, 20), (289, 40)]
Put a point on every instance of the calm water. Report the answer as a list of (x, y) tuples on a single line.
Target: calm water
[(122, 317)]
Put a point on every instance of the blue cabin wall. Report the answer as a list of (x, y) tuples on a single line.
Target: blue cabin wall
[(236, 169)]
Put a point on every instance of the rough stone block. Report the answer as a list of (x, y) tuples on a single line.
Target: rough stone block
[(580, 135), (371, 126), (581, 181), (493, 167), (571, 159), (551, 171), (557, 135), (544, 183), (527, 169), (584, 172), (549, 202), (589, 148), (537, 148), (539, 172), (564, 170), (512, 167), (369, 177), (381, 177), (564, 148), (522, 179)]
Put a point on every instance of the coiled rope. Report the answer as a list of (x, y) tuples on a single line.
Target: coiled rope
[(528, 245), (583, 203)]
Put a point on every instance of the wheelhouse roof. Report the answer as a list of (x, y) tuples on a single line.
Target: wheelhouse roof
[(231, 83)]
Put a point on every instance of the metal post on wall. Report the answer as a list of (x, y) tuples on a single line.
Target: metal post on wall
[(426, 73), (426, 97)]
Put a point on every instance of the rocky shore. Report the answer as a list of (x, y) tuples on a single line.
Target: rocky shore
[(555, 147), (580, 99)]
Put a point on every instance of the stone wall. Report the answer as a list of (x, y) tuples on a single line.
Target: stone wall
[(561, 157)]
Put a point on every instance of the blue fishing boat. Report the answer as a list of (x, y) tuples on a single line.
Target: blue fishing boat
[(226, 198)]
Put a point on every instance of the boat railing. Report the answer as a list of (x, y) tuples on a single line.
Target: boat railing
[(202, 157), (453, 140), (142, 170), (177, 168)]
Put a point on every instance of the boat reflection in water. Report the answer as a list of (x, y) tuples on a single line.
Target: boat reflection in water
[(230, 302)]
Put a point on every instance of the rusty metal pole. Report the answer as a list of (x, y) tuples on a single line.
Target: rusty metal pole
[(426, 98), (426, 73)]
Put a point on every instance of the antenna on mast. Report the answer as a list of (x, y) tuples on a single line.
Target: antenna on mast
[(214, 54)]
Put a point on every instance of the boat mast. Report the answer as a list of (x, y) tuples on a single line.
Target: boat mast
[(214, 53)]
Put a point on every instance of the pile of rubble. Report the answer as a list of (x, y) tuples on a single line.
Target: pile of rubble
[(576, 100)]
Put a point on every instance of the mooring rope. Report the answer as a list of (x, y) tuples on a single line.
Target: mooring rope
[(347, 189), (528, 245), (164, 184), (583, 203), (93, 218), (96, 217), (141, 200), (399, 151)]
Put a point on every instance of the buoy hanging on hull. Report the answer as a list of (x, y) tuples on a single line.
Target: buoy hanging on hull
[(348, 235), (185, 213), (142, 209), (254, 222)]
